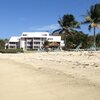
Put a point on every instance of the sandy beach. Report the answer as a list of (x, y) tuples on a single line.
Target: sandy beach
[(50, 76)]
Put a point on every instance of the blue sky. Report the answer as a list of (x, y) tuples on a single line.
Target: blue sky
[(17, 16)]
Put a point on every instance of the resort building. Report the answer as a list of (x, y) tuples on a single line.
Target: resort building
[(33, 40), (13, 42)]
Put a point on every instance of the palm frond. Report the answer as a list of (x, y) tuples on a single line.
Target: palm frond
[(85, 22), (88, 13), (59, 31), (56, 31), (77, 25), (89, 27), (60, 21)]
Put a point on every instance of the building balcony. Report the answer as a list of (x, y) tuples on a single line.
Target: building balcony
[(12, 45), (36, 44), (29, 40)]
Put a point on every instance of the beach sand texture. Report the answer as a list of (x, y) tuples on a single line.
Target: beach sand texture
[(50, 76)]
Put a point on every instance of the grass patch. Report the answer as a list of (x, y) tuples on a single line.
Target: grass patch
[(11, 51)]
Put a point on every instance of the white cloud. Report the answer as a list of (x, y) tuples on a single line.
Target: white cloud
[(45, 28)]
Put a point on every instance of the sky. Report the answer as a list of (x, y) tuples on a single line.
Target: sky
[(17, 16)]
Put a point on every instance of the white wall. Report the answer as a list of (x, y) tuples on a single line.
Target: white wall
[(54, 38), (22, 44)]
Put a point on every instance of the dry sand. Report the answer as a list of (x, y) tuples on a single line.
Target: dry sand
[(50, 76)]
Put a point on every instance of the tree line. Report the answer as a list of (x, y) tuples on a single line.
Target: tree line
[(2, 43), (72, 37)]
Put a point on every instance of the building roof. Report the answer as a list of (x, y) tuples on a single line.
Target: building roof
[(34, 34), (14, 39), (54, 44), (54, 38)]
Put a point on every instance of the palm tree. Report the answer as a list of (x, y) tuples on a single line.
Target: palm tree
[(98, 40), (46, 45), (67, 24), (93, 19)]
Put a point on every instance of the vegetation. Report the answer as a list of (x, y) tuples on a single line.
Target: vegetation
[(2, 43), (93, 19), (78, 38), (74, 38), (45, 45), (3, 50), (11, 50), (98, 40), (68, 24)]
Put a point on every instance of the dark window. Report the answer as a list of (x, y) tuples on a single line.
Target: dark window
[(24, 34), (36, 47), (36, 38), (12, 46), (12, 42), (29, 43), (44, 34), (36, 42), (50, 38)]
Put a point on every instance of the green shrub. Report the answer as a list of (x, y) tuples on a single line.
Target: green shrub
[(32, 49), (11, 51)]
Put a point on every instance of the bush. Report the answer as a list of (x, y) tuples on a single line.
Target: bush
[(11, 51), (32, 49)]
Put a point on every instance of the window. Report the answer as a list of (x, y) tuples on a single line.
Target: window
[(12, 43), (43, 39), (12, 46), (29, 47), (29, 43), (36, 47), (44, 34), (24, 34), (50, 38), (36, 38), (36, 42), (29, 40)]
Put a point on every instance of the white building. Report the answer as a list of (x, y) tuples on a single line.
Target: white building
[(13, 42), (33, 40)]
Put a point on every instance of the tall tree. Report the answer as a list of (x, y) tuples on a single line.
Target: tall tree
[(98, 40), (46, 45), (93, 19), (2, 43), (79, 38), (67, 24)]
